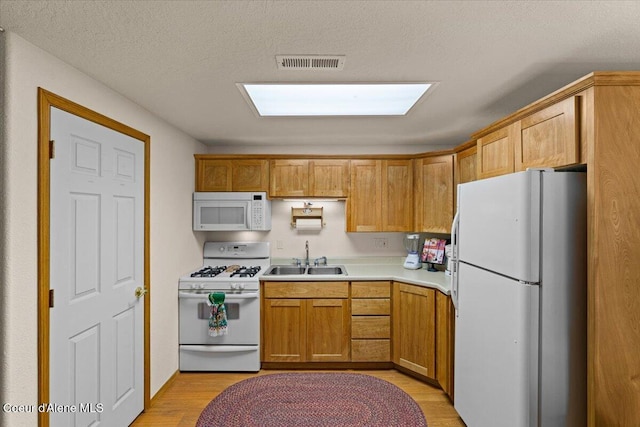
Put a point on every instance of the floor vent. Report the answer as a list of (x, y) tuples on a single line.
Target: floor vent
[(310, 62)]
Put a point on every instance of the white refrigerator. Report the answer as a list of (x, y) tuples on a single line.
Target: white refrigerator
[(519, 289)]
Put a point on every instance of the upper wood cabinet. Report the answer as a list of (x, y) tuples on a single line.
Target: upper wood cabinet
[(382, 196), (466, 165), (289, 178), (232, 174), (495, 152), (549, 137), (329, 177), (309, 178), (364, 206), (434, 194), (397, 195)]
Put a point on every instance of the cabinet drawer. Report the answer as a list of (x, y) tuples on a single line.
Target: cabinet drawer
[(371, 306), (306, 290), (370, 327), (370, 290), (370, 350)]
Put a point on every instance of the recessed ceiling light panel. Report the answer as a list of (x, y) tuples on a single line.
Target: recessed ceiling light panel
[(344, 99)]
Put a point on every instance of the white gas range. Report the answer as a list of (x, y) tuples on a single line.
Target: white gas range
[(233, 268)]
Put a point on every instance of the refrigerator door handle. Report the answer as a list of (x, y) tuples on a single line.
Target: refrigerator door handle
[(454, 255)]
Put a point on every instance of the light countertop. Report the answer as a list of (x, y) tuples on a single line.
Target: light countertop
[(371, 268)]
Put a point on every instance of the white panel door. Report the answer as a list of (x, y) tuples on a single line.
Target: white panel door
[(97, 262), (496, 350)]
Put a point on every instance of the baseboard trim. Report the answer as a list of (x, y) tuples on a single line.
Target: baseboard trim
[(164, 388)]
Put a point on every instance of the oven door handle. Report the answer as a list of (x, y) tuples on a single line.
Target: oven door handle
[(220, 348), (192, 295)]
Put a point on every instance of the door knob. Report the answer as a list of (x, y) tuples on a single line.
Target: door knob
[(140, 291)]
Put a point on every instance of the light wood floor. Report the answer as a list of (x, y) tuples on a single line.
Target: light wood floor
[(181, 402)]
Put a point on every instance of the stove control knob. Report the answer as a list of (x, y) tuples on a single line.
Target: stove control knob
[(237, 286), (234, 286), (194, 286), (201, 286)]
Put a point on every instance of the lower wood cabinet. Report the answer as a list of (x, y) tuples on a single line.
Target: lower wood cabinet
[(306, 322), (445, 333), (414, 328), (327, 330), (371, 321), (367, 321), (423, 333)]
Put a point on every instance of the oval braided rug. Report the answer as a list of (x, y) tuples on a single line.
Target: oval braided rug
[(312, 399)]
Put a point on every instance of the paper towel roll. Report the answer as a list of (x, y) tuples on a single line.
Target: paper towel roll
[(309, 224)]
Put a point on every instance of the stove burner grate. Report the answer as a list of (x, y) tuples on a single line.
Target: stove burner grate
[(246, 271), (209, 271)]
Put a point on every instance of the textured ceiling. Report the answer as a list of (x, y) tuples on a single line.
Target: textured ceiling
[(182, 59)]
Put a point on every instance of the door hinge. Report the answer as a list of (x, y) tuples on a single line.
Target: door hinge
[(52, 149), (50, 298)]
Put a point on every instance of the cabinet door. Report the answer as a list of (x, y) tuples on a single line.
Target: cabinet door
[(550, 137), (444, 342), (414, 328), (434, 194), (397, 195), (289, 178), (250, 175), (365, 201), (495, 152), (329, 178), (213, 175), (328, 330), (466, 162), (285, 330)]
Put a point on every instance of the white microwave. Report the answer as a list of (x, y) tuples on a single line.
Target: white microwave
[(231, 211)]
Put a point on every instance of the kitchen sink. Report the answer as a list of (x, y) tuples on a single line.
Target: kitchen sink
[(289, 270), (284, 270), (335, 270)]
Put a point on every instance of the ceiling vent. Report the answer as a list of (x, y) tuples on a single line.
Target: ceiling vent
[(310, 62)]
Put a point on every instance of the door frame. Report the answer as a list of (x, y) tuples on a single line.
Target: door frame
[(46, 100)]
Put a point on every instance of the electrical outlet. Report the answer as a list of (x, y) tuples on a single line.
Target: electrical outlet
[(279, 244), (380, 242)]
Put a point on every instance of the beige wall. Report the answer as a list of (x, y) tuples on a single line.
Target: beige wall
[(332, 241), (174, 247)]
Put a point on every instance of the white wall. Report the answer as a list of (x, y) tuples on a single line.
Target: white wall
[(175, 249)]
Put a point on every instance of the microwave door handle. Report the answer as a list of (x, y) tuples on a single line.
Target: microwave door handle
[(247, 219)]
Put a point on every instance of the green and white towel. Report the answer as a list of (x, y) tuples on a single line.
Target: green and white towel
[(218, 317)]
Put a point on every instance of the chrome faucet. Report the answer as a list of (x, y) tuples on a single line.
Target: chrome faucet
[(322, 259), (306, 248)]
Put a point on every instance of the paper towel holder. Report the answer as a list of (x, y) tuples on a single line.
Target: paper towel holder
[(307, 212)]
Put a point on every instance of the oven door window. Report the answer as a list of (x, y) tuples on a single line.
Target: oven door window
[(232, 308)]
